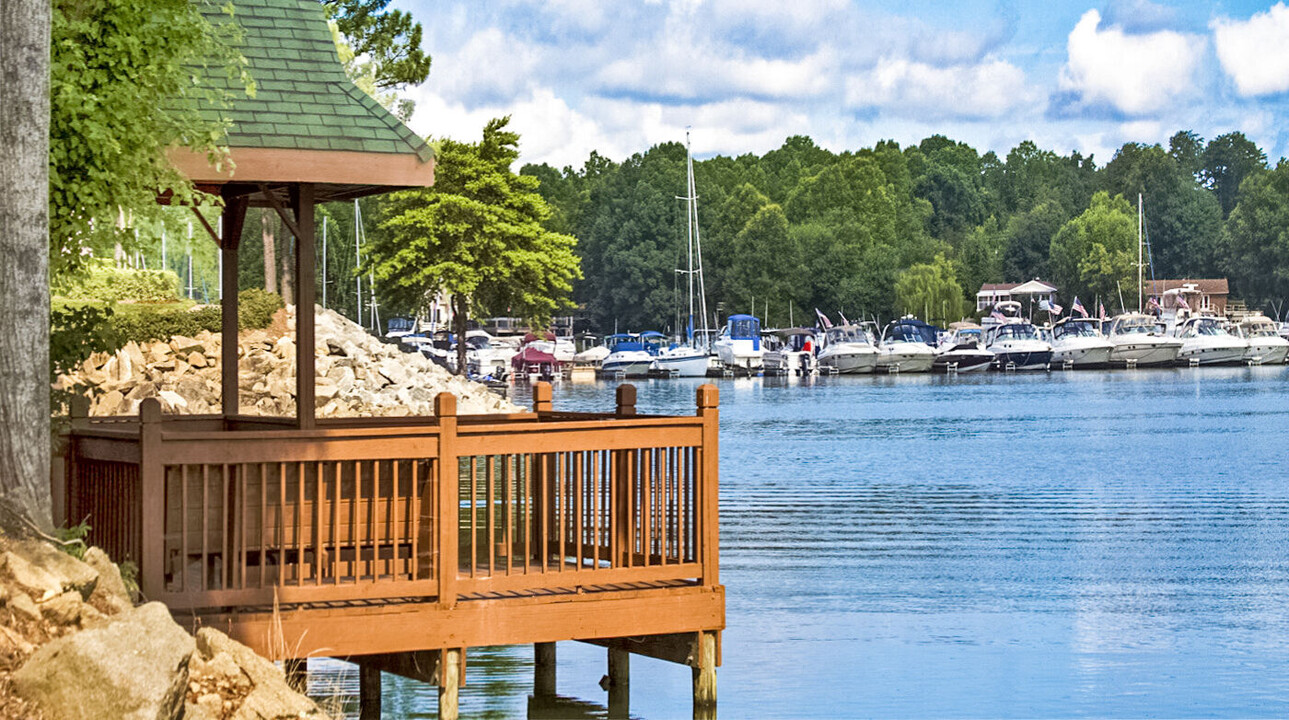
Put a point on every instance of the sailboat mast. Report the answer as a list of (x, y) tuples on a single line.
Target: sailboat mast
[(698, 245), (1139, 261), (689, 219)]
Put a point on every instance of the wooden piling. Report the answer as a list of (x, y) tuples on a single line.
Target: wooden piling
[(544, 670), (705, 676), (449, 683), (368, 693), (619, 683)]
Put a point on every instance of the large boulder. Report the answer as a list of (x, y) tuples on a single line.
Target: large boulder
[(249, 686), (134, 668)]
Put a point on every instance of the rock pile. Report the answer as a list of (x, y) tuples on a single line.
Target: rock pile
[(73, 645), (357, 375)]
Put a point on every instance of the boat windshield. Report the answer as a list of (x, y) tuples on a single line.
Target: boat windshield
[(744, 328), (1206, 326), (1133, 326), (401, 324), (848, 334), (1016, 331), (478, 342), (903, 333), (1085, 328), (1264, 328)]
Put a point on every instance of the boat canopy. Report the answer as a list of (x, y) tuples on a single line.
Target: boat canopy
[(623, 342), (910, 329), (401, 324), (744, 327)]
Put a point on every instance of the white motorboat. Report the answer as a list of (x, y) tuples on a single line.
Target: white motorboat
[(682, 361), (627, 356), (849, 349), (794, 353), (739, 344), (904, 348), (1206, 342), (486, 355), (1079, 344), (963, 351), (1016, 345), (1139, 340), (1266, 347)]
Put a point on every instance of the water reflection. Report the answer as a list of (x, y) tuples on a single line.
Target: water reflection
[(986, 545)]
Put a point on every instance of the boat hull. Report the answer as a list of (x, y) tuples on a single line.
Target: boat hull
[(778, 362), (1212, 353), (1144, 354), (849, 363), (1083, 357), (962, 361), (1022, 360), (1266, 352), (906, 360), (630, 364), (683, 365)]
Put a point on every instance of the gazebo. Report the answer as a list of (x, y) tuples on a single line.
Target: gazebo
[(398, 543), (308, 136)]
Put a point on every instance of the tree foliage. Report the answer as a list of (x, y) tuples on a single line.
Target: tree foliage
[(1095, 254), (129, 79), (389, 40), (477, 234), (930, 291), (1257, 238)]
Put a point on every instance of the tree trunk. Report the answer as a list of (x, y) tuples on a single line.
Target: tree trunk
[(270, 257), (288, 261), (24, 259), (460, 304)]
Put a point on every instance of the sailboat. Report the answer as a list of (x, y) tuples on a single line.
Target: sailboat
[(691, 358), (1139, 339)]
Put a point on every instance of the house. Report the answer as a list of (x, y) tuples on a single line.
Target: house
[(1212, 292), (1027, 293)]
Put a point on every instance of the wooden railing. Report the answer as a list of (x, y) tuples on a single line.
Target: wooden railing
[(241, 512)]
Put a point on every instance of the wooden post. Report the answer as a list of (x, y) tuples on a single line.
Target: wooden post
[(542, 397), (624, 483), (297, 674), (544, 670), (305, 291), (449, 682), (619, 683), (368, 693), (708, 397), (446, 562), (705, 676), (234, 215), (152, 494)]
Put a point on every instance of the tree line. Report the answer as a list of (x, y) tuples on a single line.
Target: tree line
[(889, 230)]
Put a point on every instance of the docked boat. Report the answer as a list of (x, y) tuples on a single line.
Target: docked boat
[(682, 361), (739, 345), (1078, 343), (487, 355), (793, 353), (628, 356), (849, 349), (963, 351), (904, 348), (1016, 345), (1266, 346), (1139, 340), (1206, 342)]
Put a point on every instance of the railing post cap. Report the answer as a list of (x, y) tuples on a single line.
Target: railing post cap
[(79, 407), (445, 405), (542, 392), (708, 396), (150, 410), (626, 394)]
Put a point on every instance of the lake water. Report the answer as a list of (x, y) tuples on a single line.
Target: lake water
[(1065, 544)]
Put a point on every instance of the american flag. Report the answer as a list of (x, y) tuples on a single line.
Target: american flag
[(1181, 302), (824, 322), (997, 315), (1101, 308), (1153, 303), (1077, 307)]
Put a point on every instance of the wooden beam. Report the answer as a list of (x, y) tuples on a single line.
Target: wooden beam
[(679, 648), (277, 165), (234, 216), (420, 665), (305, 290), (206, 224), (280, 209)]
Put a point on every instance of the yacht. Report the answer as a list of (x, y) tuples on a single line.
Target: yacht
[(628, 356), (1139, 340), (739, 344), (963, 351), (1206, 342), (487, 355), (904, 348), (793, 354), (1266, 347), (1016, 345), (1079, 344), (849, 349), (682, 361)]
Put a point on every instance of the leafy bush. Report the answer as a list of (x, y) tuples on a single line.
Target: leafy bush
[(256, 308), (76, 332), (107, 283), (145, 324)]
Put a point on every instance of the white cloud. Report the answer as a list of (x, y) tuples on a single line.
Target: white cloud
[(1255, 52), (684, 68), (490, 67), (1136, 74), (987, 89)]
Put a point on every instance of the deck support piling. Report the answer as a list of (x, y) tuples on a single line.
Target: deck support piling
[(544, 670), (368, 693), (449, 683), (705, 676), (619, 683), (297, 674)]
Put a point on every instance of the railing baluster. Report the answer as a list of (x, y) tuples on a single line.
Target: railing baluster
[(525, 463), (183, 528), (474, 518), (264, 520), (336, 480), (319, 507), (508, 507), (579, 525), (299, 524), (205, 523), (374, 520), (395, 539)]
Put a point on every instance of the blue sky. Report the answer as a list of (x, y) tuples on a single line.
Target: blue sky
[(619, 76)]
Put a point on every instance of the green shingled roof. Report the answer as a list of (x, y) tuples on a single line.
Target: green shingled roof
[(303, 99)]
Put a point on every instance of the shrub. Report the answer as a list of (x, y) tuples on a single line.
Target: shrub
[(144, 324), (107, 283), (256, 308)]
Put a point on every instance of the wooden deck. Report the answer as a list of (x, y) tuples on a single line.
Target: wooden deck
[(378, 537)]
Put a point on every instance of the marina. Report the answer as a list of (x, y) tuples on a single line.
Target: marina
[(1073, 544)]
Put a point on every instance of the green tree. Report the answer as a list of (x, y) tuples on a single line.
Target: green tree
[(476, 234), (1186, 148), (389, 39), (1257, 237), (762, 249), (930, 291), (981, 255), (1027, 241), (1095, 253), (1227, 161), (130, 79)]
